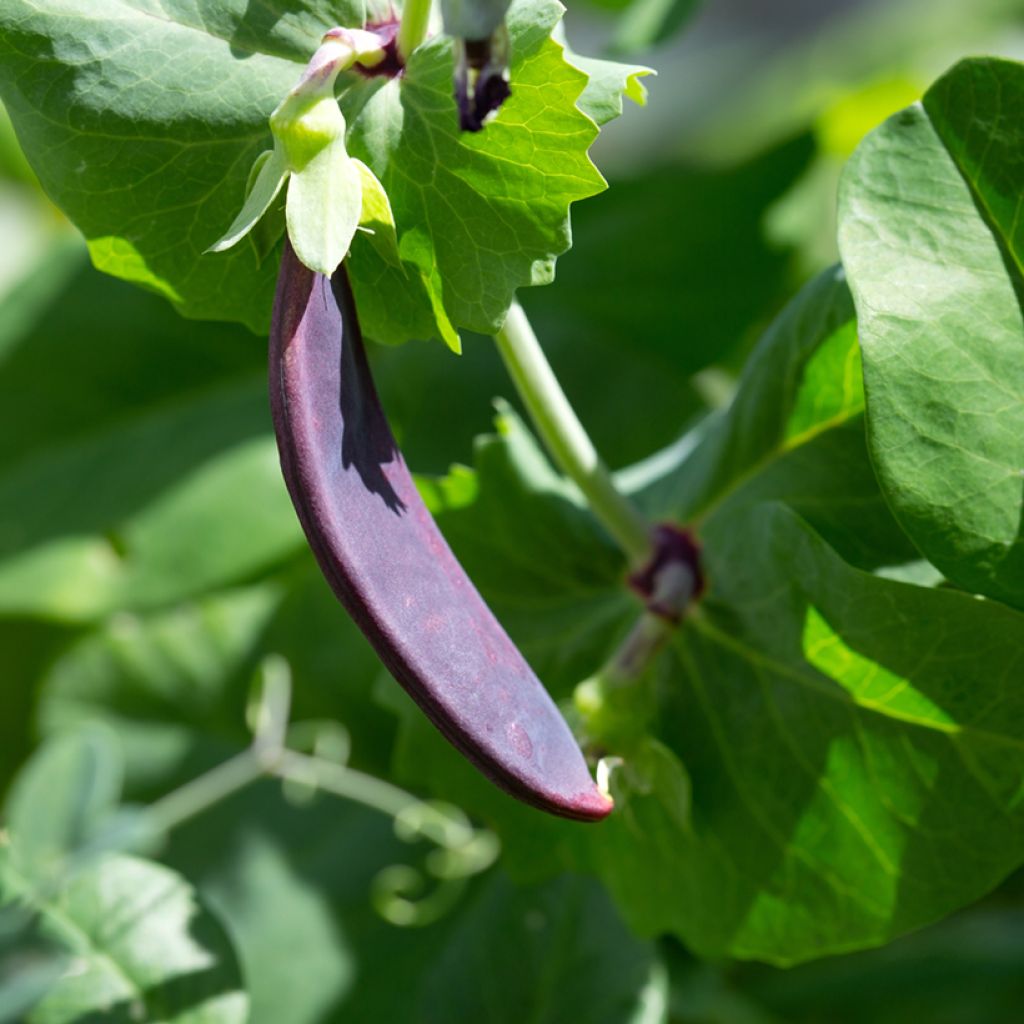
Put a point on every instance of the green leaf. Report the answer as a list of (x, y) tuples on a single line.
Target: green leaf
[(853, 745), (574, 961), (835, 760), (608, 82), (794, 432), (932, 240), (143, 947), (152, 173), (476, 213), (70, 785)]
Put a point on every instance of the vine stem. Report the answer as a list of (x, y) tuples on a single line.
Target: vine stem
[(566, 439), (412, 29), (268, 756)]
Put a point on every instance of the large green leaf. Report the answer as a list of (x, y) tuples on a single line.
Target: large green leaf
[(143, 123), (853, 749), (931, 236), (794, 431), (143, 947), (63, 794), (478, 215)]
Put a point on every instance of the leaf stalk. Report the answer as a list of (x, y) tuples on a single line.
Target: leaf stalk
[(412, 29), (570, 446)]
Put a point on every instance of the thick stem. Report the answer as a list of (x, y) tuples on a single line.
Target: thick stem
[(412, 29), (559, 426)]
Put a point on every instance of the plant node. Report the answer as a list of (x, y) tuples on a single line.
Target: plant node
[(672, 579)]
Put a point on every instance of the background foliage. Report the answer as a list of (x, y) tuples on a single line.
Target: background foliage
[(150, 560)]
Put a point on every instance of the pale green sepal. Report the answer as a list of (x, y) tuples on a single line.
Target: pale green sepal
[(325, 201), (378, 217), (268, 175)]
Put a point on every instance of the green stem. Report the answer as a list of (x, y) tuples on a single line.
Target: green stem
[(345, 782), (199, 795), (412, 29), (559, 426)]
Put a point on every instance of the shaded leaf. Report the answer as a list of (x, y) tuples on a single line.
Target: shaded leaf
[(476, 213), (143, 948), (574, 961), (853, 746), (931, 238), (66, 790)]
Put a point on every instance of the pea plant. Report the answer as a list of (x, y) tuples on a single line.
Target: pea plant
[(762, 692)]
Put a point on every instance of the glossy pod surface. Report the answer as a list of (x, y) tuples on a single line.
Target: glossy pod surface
[(386, 560)]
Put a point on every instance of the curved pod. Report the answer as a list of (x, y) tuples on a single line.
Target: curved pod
[(387, 562)]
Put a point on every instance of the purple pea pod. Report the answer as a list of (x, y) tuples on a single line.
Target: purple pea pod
[(388, 563)]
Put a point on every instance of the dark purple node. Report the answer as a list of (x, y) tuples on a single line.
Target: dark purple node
[(672, 579), (388, 563)]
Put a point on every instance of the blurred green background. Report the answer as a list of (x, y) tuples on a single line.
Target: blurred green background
[(149, 557)]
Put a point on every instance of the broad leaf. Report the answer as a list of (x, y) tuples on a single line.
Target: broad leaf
[(932, 239), (69, 786), (482, 214), (794, 431), (844, 790), (30, 963), (154, 173), (814, 746), (144, 949)]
